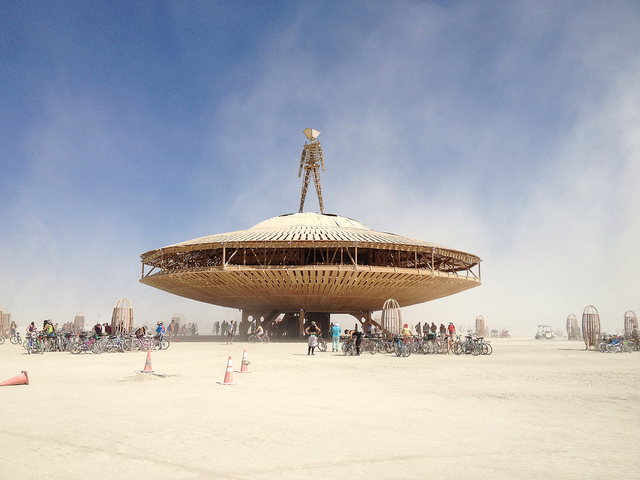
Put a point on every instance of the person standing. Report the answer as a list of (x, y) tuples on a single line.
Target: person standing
[(451, 331), (230, 332), (356, 336), (425, 330), (160, 332), (97, 329), (313, 331), (335, 337)]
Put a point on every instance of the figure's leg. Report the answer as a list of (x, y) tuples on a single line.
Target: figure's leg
[(305, 185), (316, 178)]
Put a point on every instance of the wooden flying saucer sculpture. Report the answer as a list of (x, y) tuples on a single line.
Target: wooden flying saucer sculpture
[(309, 262)]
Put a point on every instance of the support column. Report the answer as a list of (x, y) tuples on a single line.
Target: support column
[(301, 324)]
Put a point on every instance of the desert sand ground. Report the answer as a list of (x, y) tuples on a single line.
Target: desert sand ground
[(533, 409)]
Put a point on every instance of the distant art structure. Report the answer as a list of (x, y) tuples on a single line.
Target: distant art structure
[(572, 327), (78, 322), (122, 318), (630, 323), (310, 161), (480, 328), (590, 327), (391, 318), (5, 321)]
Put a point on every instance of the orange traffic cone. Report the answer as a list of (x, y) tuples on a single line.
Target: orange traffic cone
[(245, 363), (147, 364), (22, 379), (228, 376)]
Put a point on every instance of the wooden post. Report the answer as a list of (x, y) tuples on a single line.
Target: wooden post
[(432, 260), (301, 323)]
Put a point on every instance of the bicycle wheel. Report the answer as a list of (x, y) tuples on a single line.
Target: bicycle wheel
[(267, 339), (165, 344), (486, 349), (476, 349), (457, 348), (322, 345), (253, 339), (14, 340), (1, 339), (371, 347)]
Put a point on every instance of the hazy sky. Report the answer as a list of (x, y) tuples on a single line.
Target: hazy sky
[(510, 130)]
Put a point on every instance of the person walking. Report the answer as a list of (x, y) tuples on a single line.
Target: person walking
[(335, 337)]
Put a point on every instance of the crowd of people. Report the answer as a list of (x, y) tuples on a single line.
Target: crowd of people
[(225, 329), (356, 336)]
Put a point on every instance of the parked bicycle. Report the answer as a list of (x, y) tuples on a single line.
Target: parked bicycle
[(83, 344), (15, 338), (33, 343), (402, 346)]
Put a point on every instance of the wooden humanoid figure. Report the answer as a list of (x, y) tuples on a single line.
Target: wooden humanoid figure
[(311, 160)]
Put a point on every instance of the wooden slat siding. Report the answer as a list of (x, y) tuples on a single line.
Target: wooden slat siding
[(354, 290)]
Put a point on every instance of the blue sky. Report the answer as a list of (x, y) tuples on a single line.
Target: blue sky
[(510, 130)]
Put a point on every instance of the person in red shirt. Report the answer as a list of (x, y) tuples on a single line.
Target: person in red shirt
[(451, 331)]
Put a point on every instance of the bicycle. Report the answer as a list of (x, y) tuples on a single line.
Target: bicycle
[(1, 339), (485, 346), (616, 346), (82, 344), (264, 338), (349, 348), (370, 345), (402, 346), (160, 344), (152, 343), (15, 338), (33, 343)]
